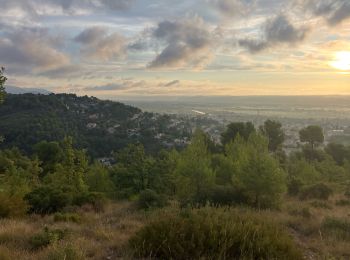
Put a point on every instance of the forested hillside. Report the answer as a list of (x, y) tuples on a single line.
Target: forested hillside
[(98, 126)]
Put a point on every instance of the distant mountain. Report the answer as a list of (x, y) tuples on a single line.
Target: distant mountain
[(17, 90), (96, 125)]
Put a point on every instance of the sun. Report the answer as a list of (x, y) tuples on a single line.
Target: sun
[(341, 61)]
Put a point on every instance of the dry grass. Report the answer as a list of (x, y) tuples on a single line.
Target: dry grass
[(105, 235)]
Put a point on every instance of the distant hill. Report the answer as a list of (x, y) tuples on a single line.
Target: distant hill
[(17, 90), (98, 126)]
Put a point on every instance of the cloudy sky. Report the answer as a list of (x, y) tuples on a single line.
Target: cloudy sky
[(175, 48)]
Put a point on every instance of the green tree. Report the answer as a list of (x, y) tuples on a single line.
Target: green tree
[(234, 129), (194, 173), (274, 133), (312, 134), (338, 152), (98, 179), (3, 80)]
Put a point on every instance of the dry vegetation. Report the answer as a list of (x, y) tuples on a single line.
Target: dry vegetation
[(320, 228)]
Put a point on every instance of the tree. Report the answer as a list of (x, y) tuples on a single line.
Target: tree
[(338, 152), (194, 174), (312, 134), (234, 129), (274, 133), (3, 79)]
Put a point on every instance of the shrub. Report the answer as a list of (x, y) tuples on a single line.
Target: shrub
[(67, 253), (12, 206), (337, 228), (342, 203), (150, 199), (96, 199), (320, 204), (304, 212), (294, 187), (317, 191), (67, 217), (47, 200), (213, 233), (46, 237)]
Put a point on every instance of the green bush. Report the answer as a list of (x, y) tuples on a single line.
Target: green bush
[(96, 199), (12, 206), (320, 204), (67, 217), (47, 200), (212, 233), (337, 228), (150, 199), (342, 203), (46, 237), (319, 191), (294, 187)]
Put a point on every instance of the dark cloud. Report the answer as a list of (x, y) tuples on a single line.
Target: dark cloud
[(26, 50), (188, 42), (172, 83), (108, 87), (278, 30), (334, 11), (98, 44), (231, 8)]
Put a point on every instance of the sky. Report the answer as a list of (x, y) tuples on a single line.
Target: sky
[(129, 48)]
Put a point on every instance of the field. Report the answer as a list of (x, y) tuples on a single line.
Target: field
[(321, 229)]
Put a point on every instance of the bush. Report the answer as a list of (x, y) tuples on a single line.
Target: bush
[(319, 191), (342, 203), (320, 204), (212, 233), (337, 228), (294, 187), (47, 200), (96, 199), (67, 217), (150, 199), (46, 237), (12, 206), (67, 253)]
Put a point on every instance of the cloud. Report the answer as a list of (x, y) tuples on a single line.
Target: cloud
[(278, 30), (97, 44), (172, 83), (31, 49), (66, 72), (187, 42), (333, 11), (231, 8), (107, 87)]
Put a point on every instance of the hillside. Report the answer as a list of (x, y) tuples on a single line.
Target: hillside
[(98, 126)]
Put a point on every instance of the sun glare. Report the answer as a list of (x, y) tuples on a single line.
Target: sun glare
[(341, 61)]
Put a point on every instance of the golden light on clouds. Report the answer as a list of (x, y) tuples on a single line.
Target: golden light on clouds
[(341, 61)]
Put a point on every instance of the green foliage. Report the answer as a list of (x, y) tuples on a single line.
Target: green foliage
[(3, 80), (149, 199), (212, 233), (98, 179), (67, 217), (274, 133), (194, 174), (319, 191), (12, 206), (258, 174), (312, 134), (339, 152), (46, 238), (47, 200), (337, 228), (234, 129)]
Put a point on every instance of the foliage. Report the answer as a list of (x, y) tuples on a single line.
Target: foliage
[(194, 174), (67, 217), (312, 134), (274, 133), (338, 228), (234, 129), (316, 191), (149, 199), (3, 79), (339, 152), (98, 179), (212, 233), (12, 206), (46, 237)]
